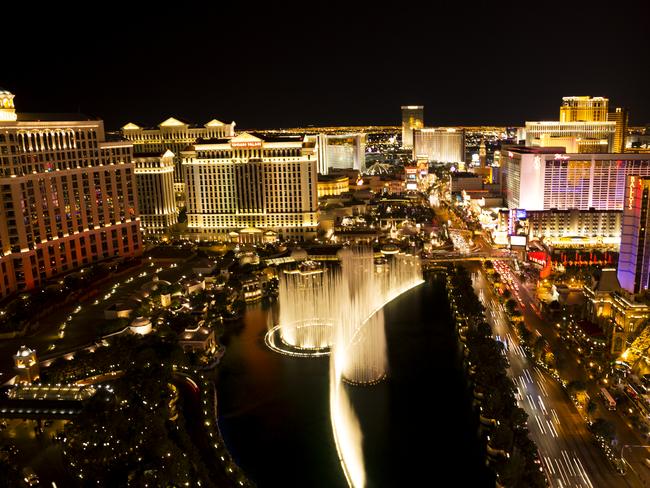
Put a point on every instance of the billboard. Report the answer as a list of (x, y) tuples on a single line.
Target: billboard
[(518, 240)]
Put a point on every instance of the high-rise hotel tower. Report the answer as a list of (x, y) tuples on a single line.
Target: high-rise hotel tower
[(154, 175), (584, 109), (67, 196), (254, 183), (412, 118), (174, 135), (634, 260)]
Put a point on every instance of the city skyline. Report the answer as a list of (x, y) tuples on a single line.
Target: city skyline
[(224, 262), (285, 69)]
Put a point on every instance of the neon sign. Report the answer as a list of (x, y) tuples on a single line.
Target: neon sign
[(631, 191), (246, 144)]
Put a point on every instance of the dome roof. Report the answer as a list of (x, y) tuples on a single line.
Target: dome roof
[(140, 322), (299, 254), (154, 284), (140, 325), (24, 351)]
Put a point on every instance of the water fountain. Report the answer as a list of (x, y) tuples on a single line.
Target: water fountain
[(339, 311)]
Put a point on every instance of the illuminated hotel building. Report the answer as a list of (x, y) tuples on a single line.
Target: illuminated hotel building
[(67, 196), (331, 185), (154, 174), (174, 135), (341, 151), (440, 144), (620, 313), (546, 178), (252, 181), (412, 118), (573, 228), (634, 259), (584, 109), (585, 126), (583, 137)]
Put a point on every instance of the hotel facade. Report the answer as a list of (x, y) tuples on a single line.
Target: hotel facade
[(341, 151), (548, 178), (585, 126), (67, 196), (581, 137), (634, 259), (566, 228), (412, 118), (252, 182), (440, 144), (174, 135), (154, 175), (584, 109)]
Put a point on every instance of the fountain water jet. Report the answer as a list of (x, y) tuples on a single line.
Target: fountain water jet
[(340, 312)]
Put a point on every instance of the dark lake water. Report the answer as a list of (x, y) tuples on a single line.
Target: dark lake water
[(418, 425)]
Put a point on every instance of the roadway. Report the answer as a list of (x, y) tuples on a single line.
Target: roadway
[(567, 449), (571, 368)]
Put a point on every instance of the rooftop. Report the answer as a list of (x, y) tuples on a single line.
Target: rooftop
[(607, 281), (54, 117), (536, 150)]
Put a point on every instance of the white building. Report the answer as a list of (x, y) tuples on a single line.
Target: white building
[(154, 176), (440, 144), (252, 181), (546, 178), (174, 135), (341, 151)]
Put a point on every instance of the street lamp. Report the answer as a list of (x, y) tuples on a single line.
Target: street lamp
[(625, 461)]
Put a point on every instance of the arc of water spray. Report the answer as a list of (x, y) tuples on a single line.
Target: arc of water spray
[(345, 424), (343, 311)]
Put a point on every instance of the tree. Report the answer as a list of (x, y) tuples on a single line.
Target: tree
[(576, 387), (511, 306), (524, 333), (539, 346), (603, 428), (591, 408)]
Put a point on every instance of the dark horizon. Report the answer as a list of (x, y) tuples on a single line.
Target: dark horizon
[(274, 68)]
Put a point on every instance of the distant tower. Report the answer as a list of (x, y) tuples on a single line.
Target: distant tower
[(26, 365), (412, 118), (7, 109), (584, 109)]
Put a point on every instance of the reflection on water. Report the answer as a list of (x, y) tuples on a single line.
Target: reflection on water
[(274, 410)]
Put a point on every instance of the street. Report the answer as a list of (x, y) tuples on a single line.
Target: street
[(567, 449)]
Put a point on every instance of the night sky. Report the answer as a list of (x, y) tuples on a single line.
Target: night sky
[(328, 63)]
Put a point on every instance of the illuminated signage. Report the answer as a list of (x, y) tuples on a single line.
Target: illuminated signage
[(246, 144), (561, 156), (631, 191), (538, 257), (518, 240)]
